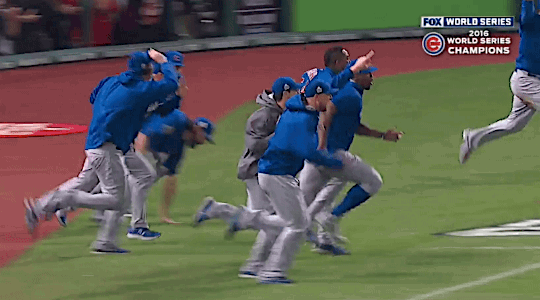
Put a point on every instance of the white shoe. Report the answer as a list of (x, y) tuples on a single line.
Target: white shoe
[(465, 149)]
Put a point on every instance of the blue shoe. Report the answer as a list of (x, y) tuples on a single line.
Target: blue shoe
[(30, 215), (331, 249), (61, 217), (202, 213), (311, 237), (234, 224), (275, 280), (110, 251), (247, 274), (143, 234)]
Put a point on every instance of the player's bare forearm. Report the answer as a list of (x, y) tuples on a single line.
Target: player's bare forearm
[(326, 118), (389, 135), (142, 143), (323, 136), (364, 130)]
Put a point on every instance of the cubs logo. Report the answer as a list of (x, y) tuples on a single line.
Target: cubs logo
[(433, 43), (177, 58)]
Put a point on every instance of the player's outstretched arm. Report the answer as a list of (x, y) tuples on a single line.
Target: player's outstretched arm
[(390, 135)]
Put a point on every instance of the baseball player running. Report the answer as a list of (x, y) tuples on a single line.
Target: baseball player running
[(524, 83), (338, 72), (260, 127), (141, 175), (294, 140), (320, 185), (119, 106), (169, 182), (161, 142)]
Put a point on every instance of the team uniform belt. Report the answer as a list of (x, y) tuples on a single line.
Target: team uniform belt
[(531, 74)]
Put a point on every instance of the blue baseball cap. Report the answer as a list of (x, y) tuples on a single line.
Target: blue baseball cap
[(285, 84), (317, 87), (369, 70), (175, 58), (138, 61), (208, 127)]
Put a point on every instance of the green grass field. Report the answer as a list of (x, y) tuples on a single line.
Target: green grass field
[(395, 254)]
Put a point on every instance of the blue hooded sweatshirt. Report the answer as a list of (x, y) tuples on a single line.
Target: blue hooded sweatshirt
[(120, 104), (295, 140)]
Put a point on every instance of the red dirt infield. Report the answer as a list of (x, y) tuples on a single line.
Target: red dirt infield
[(218, 81)]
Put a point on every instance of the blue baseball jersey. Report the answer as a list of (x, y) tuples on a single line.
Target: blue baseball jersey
[(346, 121), (294, 141), (120, 104), (529, 45), (165, 134)]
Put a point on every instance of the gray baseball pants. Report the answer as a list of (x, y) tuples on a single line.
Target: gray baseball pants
[(523, 87), (321, 185), (258, 201), (103, 164), (286, 198)]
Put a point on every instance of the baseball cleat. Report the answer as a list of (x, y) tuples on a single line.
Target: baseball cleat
[(465, 149), (331, 249), (247, 274), (202, 213), (143, 234), (311, 237), (110, 251), (331, 225), (61, 217), (30, 216), (275, 280), (234, 224)]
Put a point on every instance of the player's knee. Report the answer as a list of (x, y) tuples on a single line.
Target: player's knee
[(374, 185)]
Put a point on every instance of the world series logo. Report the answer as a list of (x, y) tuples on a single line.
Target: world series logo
[(477, 41)]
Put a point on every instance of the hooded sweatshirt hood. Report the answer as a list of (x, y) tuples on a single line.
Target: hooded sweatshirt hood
[(266, 99)]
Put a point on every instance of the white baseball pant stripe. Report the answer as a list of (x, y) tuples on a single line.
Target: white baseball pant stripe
[(523, 87)]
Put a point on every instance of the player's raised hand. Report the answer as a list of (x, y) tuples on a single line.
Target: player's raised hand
[(157, 56), (392, 135), (363, 62)]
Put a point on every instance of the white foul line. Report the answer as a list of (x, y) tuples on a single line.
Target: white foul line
[(478, 282), (488, 248)]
